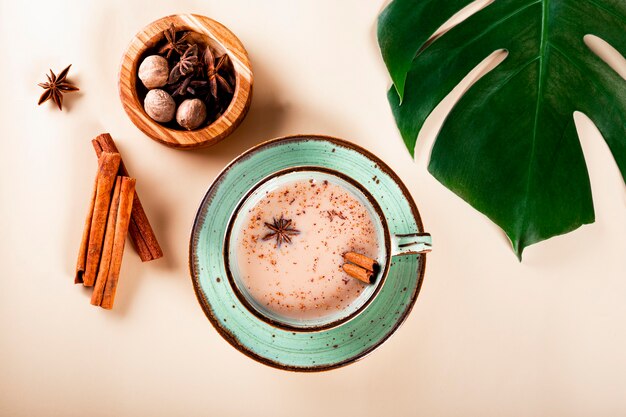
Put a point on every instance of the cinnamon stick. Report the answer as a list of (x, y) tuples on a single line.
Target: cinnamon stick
[(361, 260), (108, 165), (107, 247), (359, 273), (82, 252), (127, 193), (141, 233)]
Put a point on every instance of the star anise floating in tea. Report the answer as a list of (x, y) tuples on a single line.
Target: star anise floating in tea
[(280, 230), (56, 86)]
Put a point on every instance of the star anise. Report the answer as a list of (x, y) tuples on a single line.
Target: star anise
[(186, 65), (280, 230), (178, 45), (181, 87), (213, 74), (56, 86), (188, 86)]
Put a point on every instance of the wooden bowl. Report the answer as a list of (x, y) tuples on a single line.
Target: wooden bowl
[(204, 30)]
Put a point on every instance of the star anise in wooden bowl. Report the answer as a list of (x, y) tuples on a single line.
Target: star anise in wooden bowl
[(195, 70), (186, 81)]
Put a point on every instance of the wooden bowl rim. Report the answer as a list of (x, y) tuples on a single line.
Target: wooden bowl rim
[(219, 128)]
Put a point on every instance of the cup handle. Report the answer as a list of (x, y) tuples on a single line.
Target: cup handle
[(411, 243)]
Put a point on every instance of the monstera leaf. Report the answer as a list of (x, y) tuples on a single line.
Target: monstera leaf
[(509, 146)]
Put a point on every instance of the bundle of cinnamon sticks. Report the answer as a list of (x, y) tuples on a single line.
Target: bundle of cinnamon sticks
[(360, 267), (114, 212)]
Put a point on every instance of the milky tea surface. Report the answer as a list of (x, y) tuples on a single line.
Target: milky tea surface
[(303, 279)]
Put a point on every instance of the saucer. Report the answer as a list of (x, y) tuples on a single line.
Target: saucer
[(291, 349)]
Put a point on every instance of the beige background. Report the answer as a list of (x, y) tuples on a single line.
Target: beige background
[(489, 336)]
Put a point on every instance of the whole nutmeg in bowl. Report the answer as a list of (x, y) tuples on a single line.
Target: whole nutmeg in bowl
[(154, 71), (191, 113), (186, 81), (159, 105)]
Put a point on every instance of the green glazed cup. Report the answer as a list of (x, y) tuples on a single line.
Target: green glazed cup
[(346, 336)]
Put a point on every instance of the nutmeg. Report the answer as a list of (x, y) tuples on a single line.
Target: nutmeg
[(154, 71), (191, 113), (159, 105)]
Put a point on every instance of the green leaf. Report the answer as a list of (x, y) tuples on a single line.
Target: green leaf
[(509, 146), (398, 39)]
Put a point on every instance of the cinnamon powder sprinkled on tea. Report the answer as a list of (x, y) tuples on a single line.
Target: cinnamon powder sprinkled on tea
[(304, 279)]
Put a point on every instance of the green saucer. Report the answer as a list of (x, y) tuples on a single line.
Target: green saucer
[(307, 350)]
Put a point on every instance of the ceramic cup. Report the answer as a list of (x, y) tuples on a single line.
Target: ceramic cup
[(390, 246)]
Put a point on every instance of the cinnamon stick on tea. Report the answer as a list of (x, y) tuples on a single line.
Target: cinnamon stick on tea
[(107, 247), (361, 260), (141, 233), (359, 273), (90, 250), (122, 221)]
